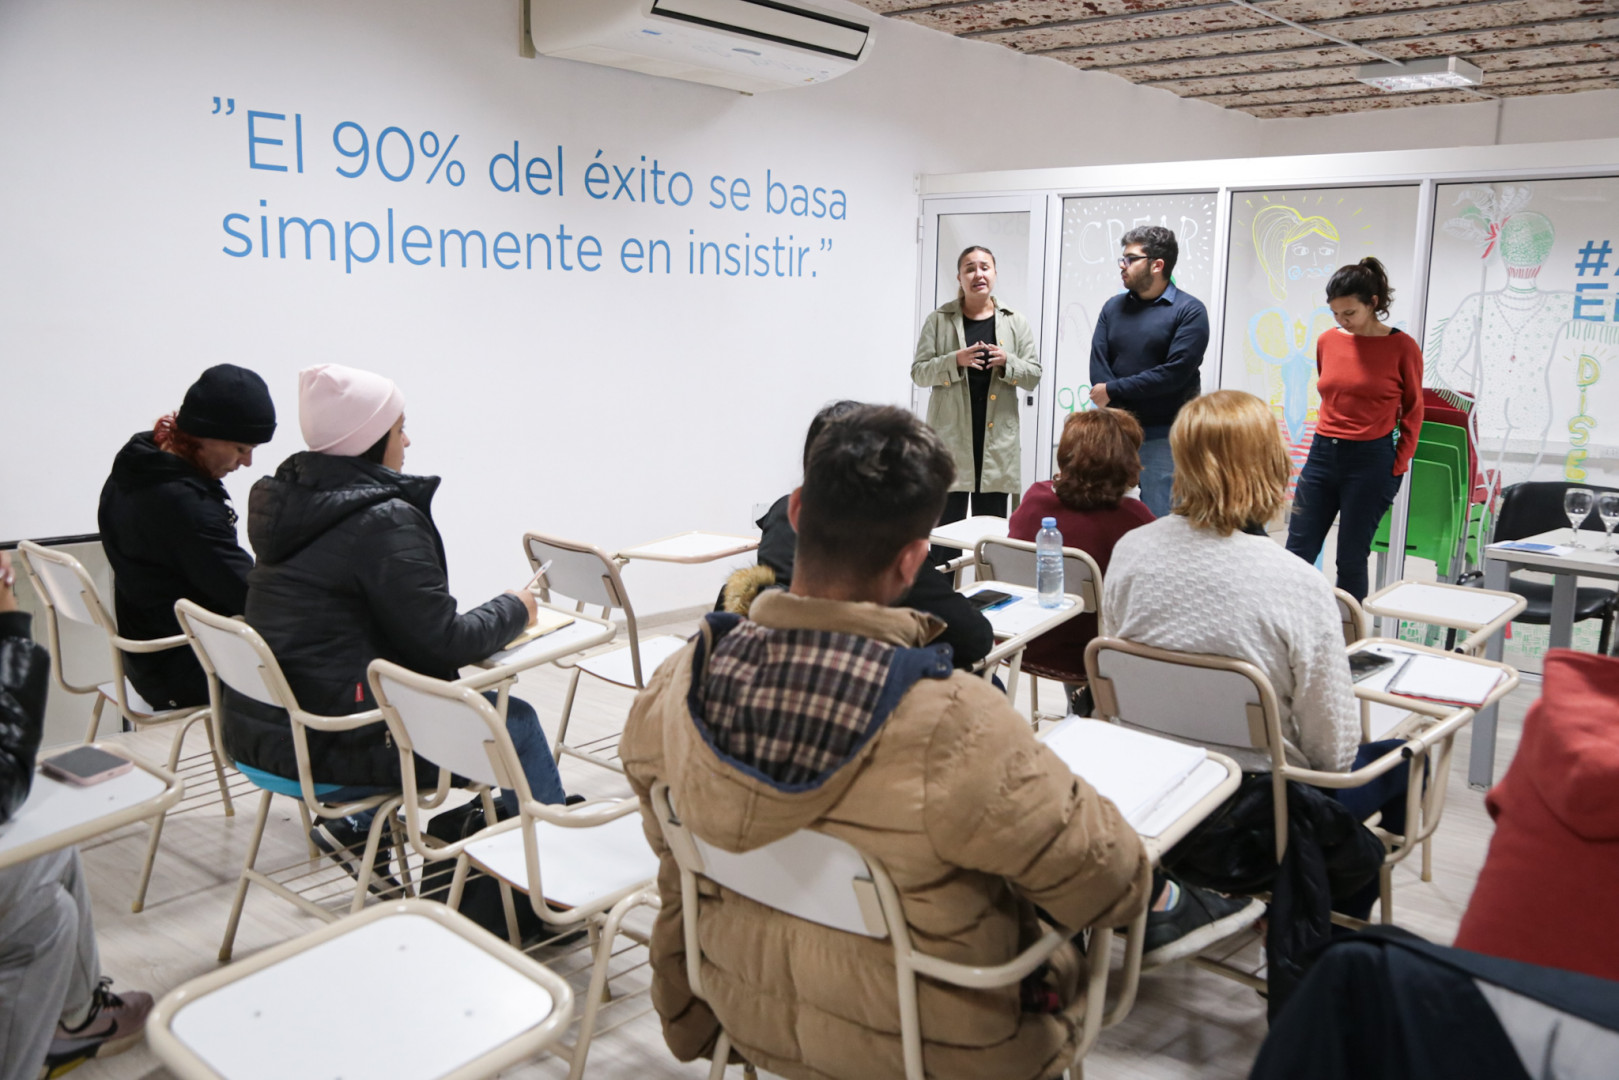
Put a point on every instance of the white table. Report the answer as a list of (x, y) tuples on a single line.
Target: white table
[(966, 533), (1017, 624), (436, 997), (1586, 561), (59, 815), (690, 547)]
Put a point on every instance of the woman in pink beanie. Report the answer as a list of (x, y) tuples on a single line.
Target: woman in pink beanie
[(350, 568)]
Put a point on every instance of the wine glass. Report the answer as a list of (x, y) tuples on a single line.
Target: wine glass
[(1577, 504), (1608, 510)]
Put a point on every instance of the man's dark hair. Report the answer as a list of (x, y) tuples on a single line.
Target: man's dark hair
[(374, 453), (1158, 242), (835, 411), (876, 480)]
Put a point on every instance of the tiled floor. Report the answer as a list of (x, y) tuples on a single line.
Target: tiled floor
[(1186, 1023)]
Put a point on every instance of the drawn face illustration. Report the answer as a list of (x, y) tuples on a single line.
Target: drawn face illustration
[(1311, 257)]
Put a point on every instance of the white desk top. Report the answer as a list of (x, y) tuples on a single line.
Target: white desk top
[(1024, 617), (1442, 605), (691, 547), (1587, 559), (58, 815), (1201, 781), (1384, 718), (276, 1022), (585, 632), (968, 531)]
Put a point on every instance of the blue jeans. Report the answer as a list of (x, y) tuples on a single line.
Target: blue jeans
[(1352, 482), (533, 753), (1157, 475)]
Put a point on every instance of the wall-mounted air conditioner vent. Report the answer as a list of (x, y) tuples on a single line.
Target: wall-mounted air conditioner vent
[(747, 45)]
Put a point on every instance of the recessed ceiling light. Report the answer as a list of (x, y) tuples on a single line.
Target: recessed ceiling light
[(1436, 74)]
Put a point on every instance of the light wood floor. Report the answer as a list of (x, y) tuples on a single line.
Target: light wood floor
[(1186, 1023)]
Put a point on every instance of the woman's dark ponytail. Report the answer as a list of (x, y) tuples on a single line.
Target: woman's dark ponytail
[(1366, 281)]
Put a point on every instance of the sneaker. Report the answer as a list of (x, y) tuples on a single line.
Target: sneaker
[(1197, 920), (116, 1022), (343, 841)]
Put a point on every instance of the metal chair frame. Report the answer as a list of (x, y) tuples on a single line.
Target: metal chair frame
[(476, 745), (1429, 748), (47, 569), (232, 653), (1003, 559), (588, 576), (883, 916)]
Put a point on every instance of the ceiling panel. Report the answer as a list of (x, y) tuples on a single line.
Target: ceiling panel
[(1298, 57)]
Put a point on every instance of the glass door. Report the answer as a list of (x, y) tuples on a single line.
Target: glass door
[(1013, 228)]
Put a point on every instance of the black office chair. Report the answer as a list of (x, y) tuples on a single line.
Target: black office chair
[(1535, 507)]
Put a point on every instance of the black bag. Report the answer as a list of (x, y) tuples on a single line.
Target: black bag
[(480, 898)]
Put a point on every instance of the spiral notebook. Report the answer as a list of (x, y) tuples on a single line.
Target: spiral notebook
[(1439, 678)]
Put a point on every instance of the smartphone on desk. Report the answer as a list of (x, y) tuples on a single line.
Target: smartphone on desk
[(1363, 665), (990, 599), (85, 765)]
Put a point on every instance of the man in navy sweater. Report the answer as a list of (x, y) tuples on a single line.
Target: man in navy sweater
[(1147, 352)]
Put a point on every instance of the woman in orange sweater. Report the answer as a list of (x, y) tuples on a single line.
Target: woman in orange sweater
[(1371, 411)]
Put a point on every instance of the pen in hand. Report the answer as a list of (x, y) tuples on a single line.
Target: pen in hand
[(539, 575)]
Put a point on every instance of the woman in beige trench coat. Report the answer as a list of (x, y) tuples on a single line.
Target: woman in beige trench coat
[(977, 355)]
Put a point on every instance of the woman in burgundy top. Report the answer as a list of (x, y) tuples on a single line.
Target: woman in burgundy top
[(1098, 460), (1371, 384)]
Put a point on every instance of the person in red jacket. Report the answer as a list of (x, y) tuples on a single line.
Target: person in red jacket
[(1098, 460), (1556, 845), (1370, 385)]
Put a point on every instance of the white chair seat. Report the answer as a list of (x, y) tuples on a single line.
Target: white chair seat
[(615, 666), (579, 866), (427, 1002)]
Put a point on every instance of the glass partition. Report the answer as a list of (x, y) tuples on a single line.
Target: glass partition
[(1284, 247)]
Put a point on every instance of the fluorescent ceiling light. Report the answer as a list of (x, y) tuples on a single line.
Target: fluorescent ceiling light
[(1435, 74)]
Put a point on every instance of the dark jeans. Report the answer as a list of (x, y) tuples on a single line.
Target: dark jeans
[(1386, 793), (533, 753), (1354, 483)]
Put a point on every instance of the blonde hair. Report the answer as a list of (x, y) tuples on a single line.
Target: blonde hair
[(1231, 465), (1275, 227)]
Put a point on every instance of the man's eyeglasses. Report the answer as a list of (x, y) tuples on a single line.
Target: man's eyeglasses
[(1126, 260)]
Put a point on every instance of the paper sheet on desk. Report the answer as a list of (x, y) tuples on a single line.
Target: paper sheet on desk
[(1534, 549), (1021, 615), (1135, 770)]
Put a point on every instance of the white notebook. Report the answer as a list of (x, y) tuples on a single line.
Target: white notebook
[(1132, 768), (1441, 679)]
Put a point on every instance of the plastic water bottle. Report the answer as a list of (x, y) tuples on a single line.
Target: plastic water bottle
[(1048, 563)]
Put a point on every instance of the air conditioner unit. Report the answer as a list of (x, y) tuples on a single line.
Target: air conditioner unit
[(747, 45)]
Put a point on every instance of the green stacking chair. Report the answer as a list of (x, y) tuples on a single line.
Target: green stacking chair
[(1434, 524)]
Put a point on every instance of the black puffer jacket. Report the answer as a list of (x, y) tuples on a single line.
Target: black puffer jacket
[(351, 568), (169, 532), (23, 668)]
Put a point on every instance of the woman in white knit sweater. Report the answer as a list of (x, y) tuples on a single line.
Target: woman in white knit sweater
[(1206, 579)]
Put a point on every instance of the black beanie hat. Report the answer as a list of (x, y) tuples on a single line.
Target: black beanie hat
[(228, 402)]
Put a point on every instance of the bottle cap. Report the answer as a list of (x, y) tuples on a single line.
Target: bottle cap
[(1048, 523)]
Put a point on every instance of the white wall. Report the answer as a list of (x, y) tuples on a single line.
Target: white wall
[(1552, 118), (608, 406)]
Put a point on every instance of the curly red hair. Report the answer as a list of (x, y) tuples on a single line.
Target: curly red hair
[(168, 436)]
